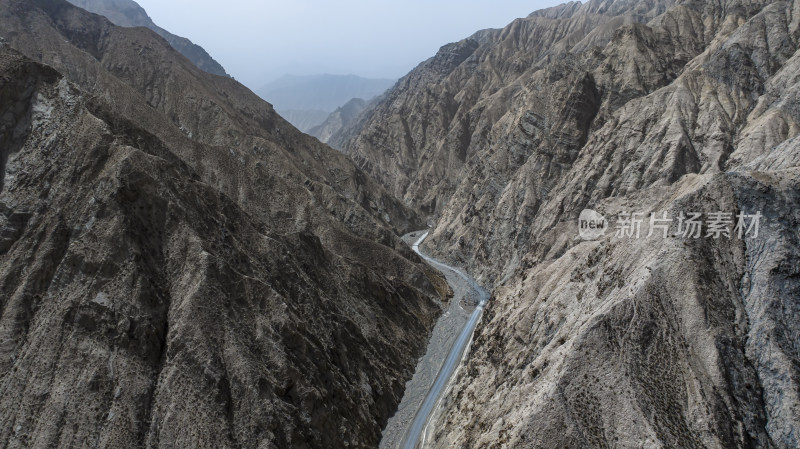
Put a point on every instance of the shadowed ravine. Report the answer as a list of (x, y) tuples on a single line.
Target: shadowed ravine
[(450, 338)]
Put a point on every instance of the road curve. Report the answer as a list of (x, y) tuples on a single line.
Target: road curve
[(417, 429)]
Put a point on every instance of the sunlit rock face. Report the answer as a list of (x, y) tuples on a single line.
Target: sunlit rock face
[(505, 138)]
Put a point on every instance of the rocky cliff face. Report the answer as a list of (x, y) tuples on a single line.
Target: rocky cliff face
[(619, 106), (128, 13), (179, 267), (339, 119)]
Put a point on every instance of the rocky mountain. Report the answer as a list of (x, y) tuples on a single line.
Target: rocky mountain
[(649, 107), (307, 101), (179, 267), (341, 118), (128, 13)]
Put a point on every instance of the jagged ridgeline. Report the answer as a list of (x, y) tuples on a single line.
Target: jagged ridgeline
[(128, 13), (617, 106), (179, 267)]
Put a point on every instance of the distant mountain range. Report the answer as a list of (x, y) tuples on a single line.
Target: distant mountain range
[(306, 101), (128, 13)]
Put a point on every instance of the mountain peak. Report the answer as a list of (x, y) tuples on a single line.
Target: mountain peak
[(128, 13)]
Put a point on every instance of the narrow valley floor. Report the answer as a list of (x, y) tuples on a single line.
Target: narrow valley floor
[(448, 331)]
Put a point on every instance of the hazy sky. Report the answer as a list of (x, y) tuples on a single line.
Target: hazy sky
[(257, 41)]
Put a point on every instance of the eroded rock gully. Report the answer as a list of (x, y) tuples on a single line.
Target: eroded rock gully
[(618, 106), (179, 267)]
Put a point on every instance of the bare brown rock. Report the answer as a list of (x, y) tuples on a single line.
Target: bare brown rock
[(179, 267), (128, 13), (339, 119), (504, 138)]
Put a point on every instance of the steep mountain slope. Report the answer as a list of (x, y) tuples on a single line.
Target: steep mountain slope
[(306, 101), (619, 106), (128, 13), (179, 267), (339, 119)]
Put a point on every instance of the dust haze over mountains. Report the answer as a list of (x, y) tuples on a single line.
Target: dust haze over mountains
[(260, 41), (307, 101)]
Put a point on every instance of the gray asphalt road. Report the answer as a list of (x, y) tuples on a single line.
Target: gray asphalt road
[(454, 356)]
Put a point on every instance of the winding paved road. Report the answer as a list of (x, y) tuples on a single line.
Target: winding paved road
[(417, 430)]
